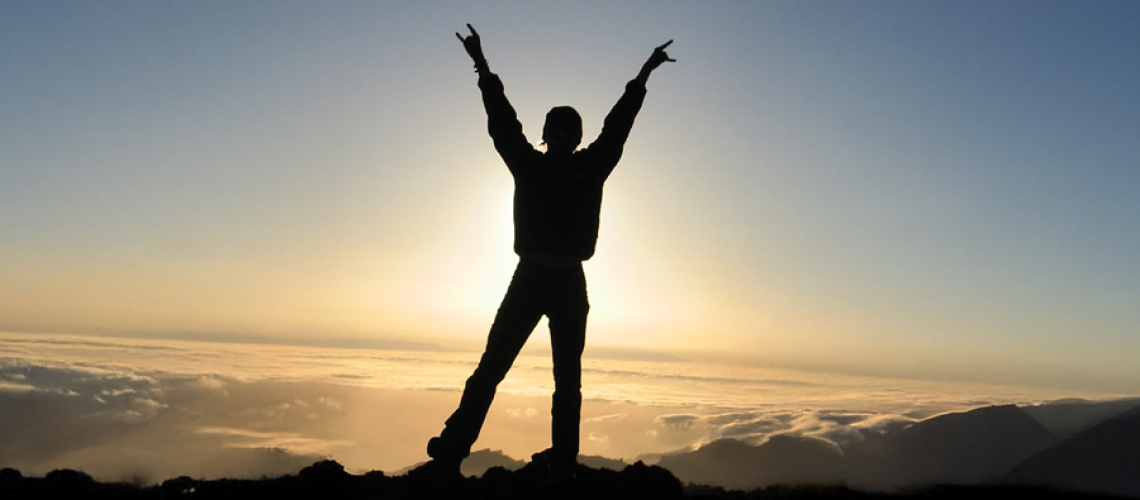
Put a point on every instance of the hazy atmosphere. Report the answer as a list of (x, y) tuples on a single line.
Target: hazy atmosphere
[(263, 232)]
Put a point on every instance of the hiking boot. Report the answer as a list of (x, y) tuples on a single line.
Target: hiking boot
[(439, 449), (437, 471), (555, 471), (443, 466)]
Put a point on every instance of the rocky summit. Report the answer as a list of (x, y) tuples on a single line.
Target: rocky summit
[(328, 480)]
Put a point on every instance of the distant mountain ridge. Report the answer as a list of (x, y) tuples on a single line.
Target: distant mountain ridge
[(1102, 459), (1065, 418), (974, 447), (783, 459), (993, 445)]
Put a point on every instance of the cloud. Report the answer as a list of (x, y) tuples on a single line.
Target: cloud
[(158, 419), (107, 420), (331, 403), (119, 423), (211, 382), (842, 419), (291, 441), (837, 427), (597, 438), (678, 421), (752, 426), (159, 407), (8, 386), (605, 418), (754, 430), (522, 412)]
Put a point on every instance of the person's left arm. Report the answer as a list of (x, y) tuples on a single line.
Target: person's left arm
[(615, 130)]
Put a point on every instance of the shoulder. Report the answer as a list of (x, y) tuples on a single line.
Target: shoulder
[(527, 162)]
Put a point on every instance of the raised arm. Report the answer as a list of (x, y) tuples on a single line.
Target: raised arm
[(502, 121), (619, 122)]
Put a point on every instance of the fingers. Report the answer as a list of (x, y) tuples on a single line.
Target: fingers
[(474, 34), (659, 52)]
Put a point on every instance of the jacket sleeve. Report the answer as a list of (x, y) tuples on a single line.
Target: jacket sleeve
[(607, 148), (502, 122)]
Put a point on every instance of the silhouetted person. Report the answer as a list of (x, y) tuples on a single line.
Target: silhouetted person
[(558, 196)]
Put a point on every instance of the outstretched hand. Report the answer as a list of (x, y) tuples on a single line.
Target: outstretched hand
[(659, 56), (473, 46)]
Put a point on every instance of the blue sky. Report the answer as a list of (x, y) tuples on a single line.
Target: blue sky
[(934, 189)]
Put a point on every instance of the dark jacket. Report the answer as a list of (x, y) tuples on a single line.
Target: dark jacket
[(557, 200)]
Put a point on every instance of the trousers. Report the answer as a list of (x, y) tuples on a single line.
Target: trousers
[(536, 289)]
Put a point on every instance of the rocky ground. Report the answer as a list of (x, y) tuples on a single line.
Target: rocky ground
[(327, 480)]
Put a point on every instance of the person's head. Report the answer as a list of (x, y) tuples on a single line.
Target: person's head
[(563, 130)]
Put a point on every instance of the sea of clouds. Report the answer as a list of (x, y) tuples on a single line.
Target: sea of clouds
[(150, 409)]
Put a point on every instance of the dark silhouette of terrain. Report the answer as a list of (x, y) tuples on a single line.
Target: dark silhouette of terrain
[(974, 447), (1067, 417), (1103, 459), (783, 459), (327, 480), (985, 447), (479, 462)]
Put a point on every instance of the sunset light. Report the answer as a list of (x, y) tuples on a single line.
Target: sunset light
[(238, 238)]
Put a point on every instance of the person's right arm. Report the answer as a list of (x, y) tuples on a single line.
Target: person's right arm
[(502, 121)]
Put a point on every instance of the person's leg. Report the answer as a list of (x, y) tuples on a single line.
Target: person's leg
[(516, 318), (567, 340)]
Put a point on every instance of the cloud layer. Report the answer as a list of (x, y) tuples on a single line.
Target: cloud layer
[(154, 409)]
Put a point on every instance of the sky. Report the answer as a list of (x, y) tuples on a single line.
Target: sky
[(931, 190)]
